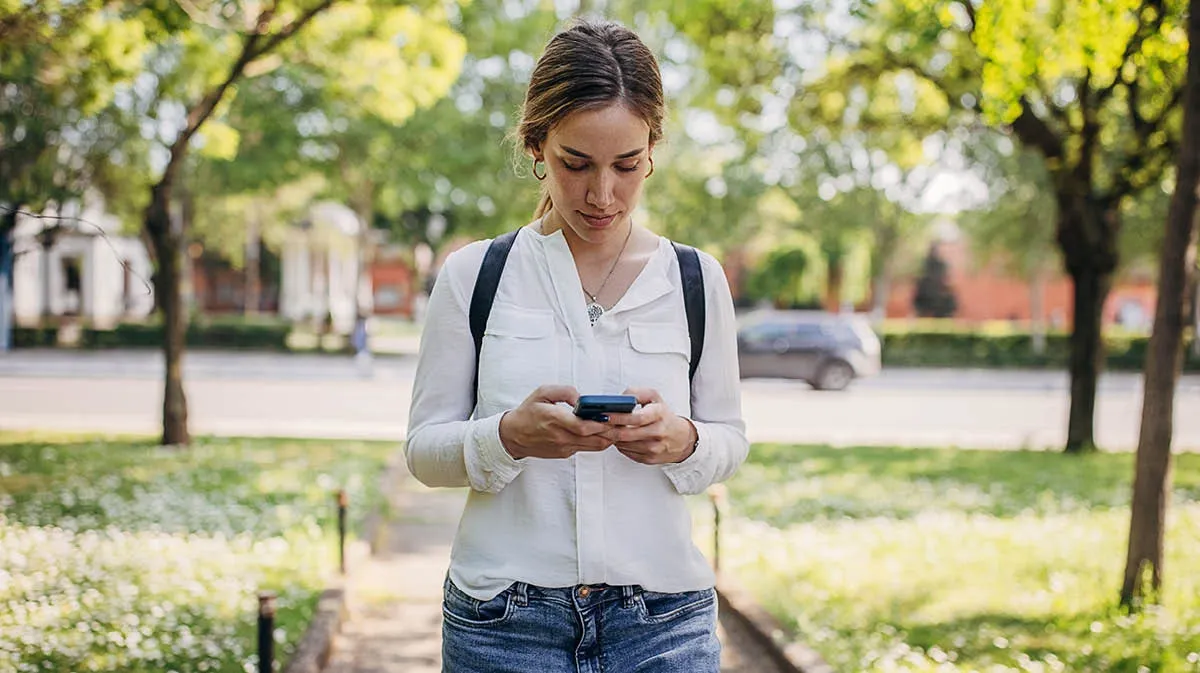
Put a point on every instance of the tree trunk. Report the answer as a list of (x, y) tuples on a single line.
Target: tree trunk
[(167, 237), (1087, 236), (1087, 354), (833, 284), (8, 226), (1152, 481)]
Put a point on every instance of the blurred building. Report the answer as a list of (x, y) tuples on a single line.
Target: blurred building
[(74, 263), (218, 287), (393, 282), (987, 292), (319, 280)]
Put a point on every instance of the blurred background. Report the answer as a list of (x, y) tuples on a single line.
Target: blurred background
[(943, 224)]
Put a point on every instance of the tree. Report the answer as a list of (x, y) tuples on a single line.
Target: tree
[(219, 46), (1092, 86), (934, 297), (783, 276), (59, 69), (1152, 480)]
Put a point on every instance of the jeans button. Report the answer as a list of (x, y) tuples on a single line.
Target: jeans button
[(584, 591)]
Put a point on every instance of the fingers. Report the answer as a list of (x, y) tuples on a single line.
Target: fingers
[(647, 452), (630, 434), (563, 417), (552, 394), (653, 409), (644, 395)]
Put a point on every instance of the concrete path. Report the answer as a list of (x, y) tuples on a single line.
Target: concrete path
[(395, 596)]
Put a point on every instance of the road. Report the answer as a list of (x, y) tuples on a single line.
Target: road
[(330, 396)]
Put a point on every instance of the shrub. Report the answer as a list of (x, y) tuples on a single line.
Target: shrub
[(937, 346)]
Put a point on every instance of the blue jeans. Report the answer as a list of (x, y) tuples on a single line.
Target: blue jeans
[(583, 629)]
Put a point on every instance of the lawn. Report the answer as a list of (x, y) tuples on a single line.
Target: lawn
[(890, 559), (118, 555)]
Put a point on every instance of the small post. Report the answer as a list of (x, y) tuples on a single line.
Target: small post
[(266, 632), (716, 494), (342, 501)]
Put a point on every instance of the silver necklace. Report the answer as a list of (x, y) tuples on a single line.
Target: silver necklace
[(594, 309)]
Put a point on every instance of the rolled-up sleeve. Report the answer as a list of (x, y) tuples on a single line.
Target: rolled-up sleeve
[(445, 446), (716, 394)]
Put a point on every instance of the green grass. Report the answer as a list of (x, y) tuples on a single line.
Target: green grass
[(119, 555), (889, 559)]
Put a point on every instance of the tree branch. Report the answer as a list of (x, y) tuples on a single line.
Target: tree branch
[(251, 49), (1158, 156), (1134, 45), (1034, 131), (290, 29)]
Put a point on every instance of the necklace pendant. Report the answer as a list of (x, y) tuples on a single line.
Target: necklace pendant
[(594, 312)]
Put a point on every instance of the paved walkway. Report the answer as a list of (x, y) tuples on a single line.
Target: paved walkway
[(395, 596)]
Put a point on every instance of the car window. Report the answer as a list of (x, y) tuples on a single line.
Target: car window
[(765, 332), (807, 331)]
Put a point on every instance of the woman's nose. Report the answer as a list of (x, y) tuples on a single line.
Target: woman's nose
[(600, 191)]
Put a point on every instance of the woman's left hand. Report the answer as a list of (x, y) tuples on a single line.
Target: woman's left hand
[(652, 435)]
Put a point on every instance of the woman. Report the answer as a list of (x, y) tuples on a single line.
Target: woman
[(574, 551)]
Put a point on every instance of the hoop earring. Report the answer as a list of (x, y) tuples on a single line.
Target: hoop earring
[(535, 173), (651, 167)]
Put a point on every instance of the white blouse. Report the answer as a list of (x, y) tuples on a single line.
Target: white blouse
[(596, 517)]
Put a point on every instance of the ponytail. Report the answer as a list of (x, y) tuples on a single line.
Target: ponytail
[(544, 205)]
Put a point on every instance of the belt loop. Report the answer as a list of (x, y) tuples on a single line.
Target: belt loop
[(522, 593), (627, 595)]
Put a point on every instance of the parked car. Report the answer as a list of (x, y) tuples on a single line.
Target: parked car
[(827, 350)]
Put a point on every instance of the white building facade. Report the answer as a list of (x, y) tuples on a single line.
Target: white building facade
[(88, 271)]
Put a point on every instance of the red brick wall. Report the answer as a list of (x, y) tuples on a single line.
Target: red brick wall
[(392, 285), (989, 294)]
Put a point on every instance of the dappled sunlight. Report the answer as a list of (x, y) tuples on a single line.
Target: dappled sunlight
[(137, 558), (882, 566)]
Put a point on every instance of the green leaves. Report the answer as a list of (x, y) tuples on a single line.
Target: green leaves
[(1035, 49), (388, 61)]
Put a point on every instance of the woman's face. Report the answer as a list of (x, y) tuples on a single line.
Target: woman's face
[(596, 162)]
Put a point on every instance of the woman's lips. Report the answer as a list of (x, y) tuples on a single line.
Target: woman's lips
[(598, 221)]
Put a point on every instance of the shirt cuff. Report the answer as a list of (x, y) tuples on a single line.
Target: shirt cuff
[(490, 467), (689, 475)]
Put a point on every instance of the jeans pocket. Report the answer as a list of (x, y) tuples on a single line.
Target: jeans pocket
[(460, 608), (659, 607)]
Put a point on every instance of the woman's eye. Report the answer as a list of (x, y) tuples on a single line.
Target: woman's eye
[(574, 167), (628, 168)]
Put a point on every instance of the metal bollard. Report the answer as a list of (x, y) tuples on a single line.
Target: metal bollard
[(266, 632), (716, 494), (342, 501)]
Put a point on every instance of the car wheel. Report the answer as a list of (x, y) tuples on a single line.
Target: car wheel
[(835, 375)]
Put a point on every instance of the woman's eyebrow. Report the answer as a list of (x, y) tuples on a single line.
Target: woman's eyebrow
[(623, 155)]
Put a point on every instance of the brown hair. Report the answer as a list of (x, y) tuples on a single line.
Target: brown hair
[(592, 64)]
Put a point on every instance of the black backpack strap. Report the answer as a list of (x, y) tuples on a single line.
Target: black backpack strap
[(485, 293), (693, 300)]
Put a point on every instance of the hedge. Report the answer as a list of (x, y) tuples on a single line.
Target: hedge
[(218, 335), (962, 348), (35, 337)]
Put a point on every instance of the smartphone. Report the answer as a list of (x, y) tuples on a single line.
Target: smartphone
[(597, 407)]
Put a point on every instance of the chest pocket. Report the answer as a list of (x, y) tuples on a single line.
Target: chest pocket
[(657, 358), (518, 355)]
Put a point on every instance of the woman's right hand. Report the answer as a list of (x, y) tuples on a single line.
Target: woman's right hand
[(543, 428)]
